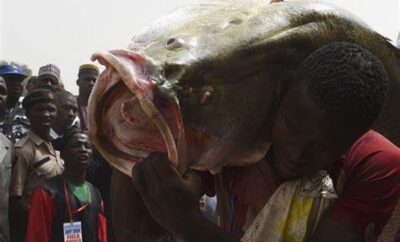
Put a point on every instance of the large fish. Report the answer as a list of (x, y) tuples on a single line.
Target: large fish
[(202, 84)]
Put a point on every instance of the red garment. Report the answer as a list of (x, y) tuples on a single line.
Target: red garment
[(40, 217), (370, 193), (372, 183), (41, 214)]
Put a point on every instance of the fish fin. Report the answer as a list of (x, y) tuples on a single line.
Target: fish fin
[(392, 47)]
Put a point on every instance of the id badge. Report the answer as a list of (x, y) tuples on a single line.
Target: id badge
[(73, 232)]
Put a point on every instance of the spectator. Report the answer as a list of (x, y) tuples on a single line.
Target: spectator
[(6, 157), (60, 86), (36, 160), (100, 171), (49, 77), (15, 125), (86, 79), (67, 112), (31, 84), (68, 198)]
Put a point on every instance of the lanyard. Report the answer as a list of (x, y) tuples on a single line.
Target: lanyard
[(68, 201)]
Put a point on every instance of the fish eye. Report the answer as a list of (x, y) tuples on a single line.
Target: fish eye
[(206, 95), (174, 43), (236, 21)]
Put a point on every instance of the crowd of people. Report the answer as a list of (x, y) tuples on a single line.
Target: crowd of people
[(47, 160)]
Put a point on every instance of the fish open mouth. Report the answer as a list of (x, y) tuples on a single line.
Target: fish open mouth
[(129, 118)]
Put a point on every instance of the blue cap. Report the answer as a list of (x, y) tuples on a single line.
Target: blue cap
[(7, 69)]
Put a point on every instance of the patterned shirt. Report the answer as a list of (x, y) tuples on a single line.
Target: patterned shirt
[(15, 125)]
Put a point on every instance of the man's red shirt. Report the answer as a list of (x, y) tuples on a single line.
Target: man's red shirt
[(370, 191)]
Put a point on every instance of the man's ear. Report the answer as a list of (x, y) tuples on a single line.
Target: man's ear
[(78, 82)]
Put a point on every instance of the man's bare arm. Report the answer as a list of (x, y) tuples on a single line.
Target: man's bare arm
[(330, 230), (173, 200)]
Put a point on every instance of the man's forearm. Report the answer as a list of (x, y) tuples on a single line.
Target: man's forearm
[(200, 229)]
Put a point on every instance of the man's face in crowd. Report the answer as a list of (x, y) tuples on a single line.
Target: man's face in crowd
[(77, 153), (86, 82), (42, 116), (305, 139), (3, 94), (47, 81), (32, 84), (67, 110), (14, 85)]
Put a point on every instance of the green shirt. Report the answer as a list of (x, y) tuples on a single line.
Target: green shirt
[(82, 192)]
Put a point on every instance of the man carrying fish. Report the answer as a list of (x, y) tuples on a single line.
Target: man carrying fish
[(203, 85), (326, 177)]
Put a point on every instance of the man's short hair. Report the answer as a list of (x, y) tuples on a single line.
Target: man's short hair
[(63, 94), (344, 78)]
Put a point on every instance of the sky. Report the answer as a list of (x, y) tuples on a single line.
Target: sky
[(67, 32)]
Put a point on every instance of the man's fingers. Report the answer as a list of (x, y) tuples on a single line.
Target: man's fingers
[(193, 182), (162, 166), (151, 172), (369, 235)]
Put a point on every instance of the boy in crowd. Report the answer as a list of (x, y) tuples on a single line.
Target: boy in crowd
[(67, 112), (87, 77), (68, 199)]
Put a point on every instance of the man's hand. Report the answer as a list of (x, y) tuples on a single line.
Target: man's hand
[(170, 198), (173, 200)]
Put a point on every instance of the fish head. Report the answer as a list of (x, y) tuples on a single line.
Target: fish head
[(202, 84)]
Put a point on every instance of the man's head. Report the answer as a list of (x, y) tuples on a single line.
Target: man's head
[(86, 79), (336, 96), (67, 110), (76, 150), (13, 76), (3, 94), (48, 77), (31, 83), (41, 110)]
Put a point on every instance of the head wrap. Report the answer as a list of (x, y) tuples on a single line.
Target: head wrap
[(38, 96), (51, 70), (88, 68), (7, 69)]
